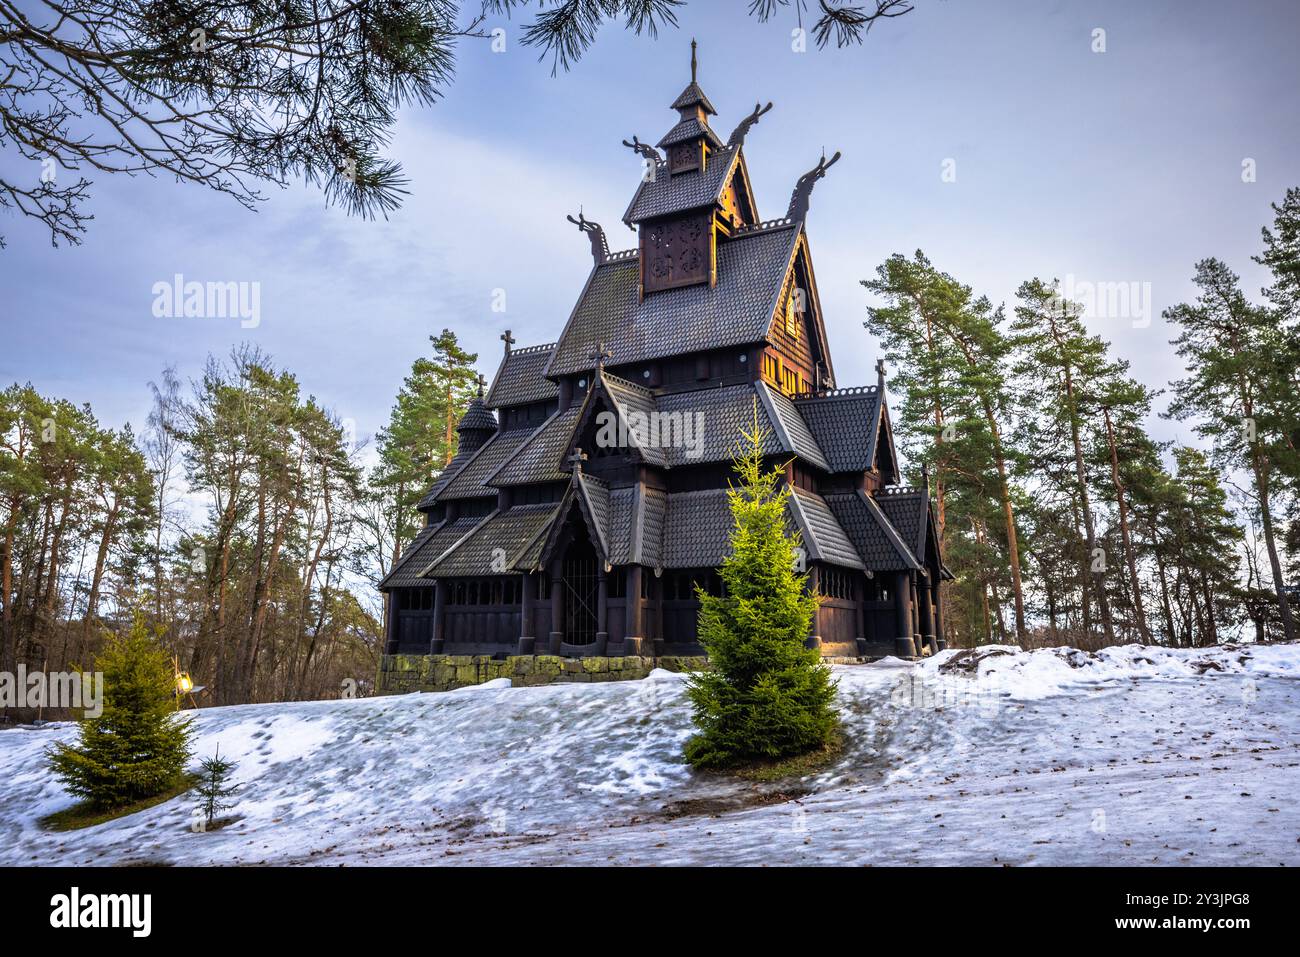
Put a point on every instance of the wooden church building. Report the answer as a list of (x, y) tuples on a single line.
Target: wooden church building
[(588, 494)]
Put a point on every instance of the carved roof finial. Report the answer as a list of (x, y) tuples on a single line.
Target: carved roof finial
[(644, 150), (880, 373), (803, 189), (693, 64), (508, 339), (600, 355), (594, 231), (482, 383), (740, 132), (576, 459)]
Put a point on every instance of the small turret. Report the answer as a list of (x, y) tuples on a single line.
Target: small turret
[(478, 424)]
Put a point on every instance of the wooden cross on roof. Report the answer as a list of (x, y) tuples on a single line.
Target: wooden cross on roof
[(880, 371), (600, 355), (576, 458), (482, 382), (508, 339)]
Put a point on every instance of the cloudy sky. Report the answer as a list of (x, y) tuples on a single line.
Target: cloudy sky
[(1117, 166)]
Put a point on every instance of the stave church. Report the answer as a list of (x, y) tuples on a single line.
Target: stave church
[(588, 495)]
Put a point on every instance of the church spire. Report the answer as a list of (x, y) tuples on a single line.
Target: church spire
[(689, 143)]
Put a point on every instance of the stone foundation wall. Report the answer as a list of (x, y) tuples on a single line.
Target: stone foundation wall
[(400, 674)]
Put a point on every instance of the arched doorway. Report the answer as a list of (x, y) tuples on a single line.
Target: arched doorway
[(581, 593)]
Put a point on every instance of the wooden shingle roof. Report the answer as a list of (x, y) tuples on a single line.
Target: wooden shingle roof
[(431, 542), (494, 545), (519, 378), (846, 424), (667, 194), (752, 268), (880, 546)]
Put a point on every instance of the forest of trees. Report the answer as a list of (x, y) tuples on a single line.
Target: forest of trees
[(240, 521), (1064, 521)]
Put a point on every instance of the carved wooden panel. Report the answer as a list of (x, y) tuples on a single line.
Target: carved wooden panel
[(677, 252), (686, 156)]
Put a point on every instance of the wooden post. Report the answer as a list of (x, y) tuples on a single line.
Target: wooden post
[(602, 610), (860, 594), (390, 623), (439, 616), (632, 637), (557, 610), (814, 640), (927, 614), (936, 590), (903, 644), (528, 598)]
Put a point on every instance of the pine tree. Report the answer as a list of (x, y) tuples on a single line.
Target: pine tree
[(214, 785), (952, 354), (767, 695), (420, 438), (1238, 396), (137, 747)]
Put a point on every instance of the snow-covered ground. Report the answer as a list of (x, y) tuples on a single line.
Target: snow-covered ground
[(1130, 756)]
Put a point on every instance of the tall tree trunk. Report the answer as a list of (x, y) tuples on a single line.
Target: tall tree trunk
[(1129, 557), (1103, 603), (96, 579), (1270, 542)]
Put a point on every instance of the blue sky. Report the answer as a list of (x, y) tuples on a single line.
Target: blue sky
[(1117, 166)]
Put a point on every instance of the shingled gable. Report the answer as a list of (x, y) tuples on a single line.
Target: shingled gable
[(874, 538), (846, 424), (590, 497), (520, 379), (539, 457), (738, 310), (664, 194), (494, 545), (431, 543), (908, 510)]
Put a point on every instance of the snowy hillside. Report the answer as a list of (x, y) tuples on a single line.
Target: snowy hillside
[(1130, 756)]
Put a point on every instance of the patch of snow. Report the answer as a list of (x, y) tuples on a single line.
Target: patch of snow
[(1131, 755)]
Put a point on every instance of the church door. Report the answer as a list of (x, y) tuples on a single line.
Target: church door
[(580, 594)]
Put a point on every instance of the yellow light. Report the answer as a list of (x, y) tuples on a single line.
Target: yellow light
[(184, 684)]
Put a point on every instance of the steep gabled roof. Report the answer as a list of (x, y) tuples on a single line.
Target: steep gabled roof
[(591, 497), (693, 96), (429, 544), (846, 424), (677, 429), (823, 537), (520, 378), (471, 480), (667, 194), (689, 129), (752, 267), (877, 542), (791, 429), (538, 458), (908, 510), (445, 478), (494, 545)]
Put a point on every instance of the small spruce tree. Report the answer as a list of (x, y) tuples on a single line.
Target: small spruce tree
[(137, 747), (214, 787), (767, 695)]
